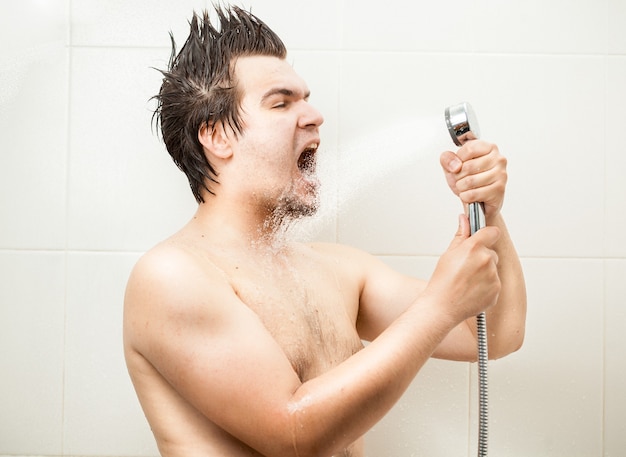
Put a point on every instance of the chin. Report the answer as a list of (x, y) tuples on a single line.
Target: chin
[(295, 207)]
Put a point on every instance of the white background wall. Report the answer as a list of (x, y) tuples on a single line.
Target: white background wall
[(86, 187)]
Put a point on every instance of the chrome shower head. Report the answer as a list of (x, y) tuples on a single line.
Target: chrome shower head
[(462, 123), (463, 126)]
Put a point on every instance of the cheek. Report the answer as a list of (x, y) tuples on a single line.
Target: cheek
[(267, 144), (265, 163)]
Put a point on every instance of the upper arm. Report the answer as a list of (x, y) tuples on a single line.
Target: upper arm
[(387, 293), (215, 352)]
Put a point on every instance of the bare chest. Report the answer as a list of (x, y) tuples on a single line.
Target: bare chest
[(306, 308)]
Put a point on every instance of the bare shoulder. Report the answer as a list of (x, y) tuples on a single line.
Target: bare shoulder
[(174, 262), (170, 282), (171, 266)]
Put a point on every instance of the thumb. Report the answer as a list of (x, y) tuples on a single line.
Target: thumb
[(451, 165), (450, 162), (462, 232)]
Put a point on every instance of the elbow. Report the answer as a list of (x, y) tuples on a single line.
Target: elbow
[(516, 339), (307, 444), (311, 437), (509, 333), (512, 343)]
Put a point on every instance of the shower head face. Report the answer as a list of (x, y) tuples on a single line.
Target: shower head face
[(462, 123)]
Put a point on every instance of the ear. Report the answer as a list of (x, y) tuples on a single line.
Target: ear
[(214, 139)]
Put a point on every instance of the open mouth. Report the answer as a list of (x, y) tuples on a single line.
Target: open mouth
[(307, 160)]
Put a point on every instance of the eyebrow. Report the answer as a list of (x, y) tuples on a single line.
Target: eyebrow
[(282, 91)]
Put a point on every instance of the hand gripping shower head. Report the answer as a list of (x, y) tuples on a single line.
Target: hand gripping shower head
[(463, 126)]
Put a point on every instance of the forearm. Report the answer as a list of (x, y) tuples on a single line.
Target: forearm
[(506, 320), (341, 405)]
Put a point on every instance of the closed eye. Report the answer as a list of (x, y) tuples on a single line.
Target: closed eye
[(281, 97)]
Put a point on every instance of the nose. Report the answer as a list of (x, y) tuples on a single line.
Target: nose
[(310, 117)]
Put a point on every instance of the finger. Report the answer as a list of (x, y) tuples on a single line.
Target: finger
[(450, 162), (462, 232), (487, 236), (490, 193), (492, 161), (480, 179), (476, 148)]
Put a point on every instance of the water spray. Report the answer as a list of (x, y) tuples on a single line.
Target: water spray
[(463, 126)]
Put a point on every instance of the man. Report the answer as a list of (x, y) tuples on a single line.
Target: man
[(241, 342)]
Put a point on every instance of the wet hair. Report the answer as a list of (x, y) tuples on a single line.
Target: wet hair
[(199, 87)]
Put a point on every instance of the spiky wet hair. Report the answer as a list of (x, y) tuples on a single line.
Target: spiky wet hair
[(199, 87)]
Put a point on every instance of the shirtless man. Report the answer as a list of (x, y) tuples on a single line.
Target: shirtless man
[(241, 343)]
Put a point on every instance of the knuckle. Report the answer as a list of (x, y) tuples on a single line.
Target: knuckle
[(505, 176), (468, 196)]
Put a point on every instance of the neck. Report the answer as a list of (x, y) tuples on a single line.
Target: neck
[(237, 225)]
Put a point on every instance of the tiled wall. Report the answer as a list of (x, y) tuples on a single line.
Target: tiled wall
[(85, 187)]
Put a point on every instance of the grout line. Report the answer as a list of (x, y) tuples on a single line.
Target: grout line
[(74, 251), (604, 243), (68, 137), (343, 50)]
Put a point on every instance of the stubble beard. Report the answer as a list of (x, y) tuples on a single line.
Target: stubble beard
[(290, 207)]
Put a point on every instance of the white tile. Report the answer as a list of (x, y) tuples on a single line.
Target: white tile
[(546, 399), (125, 192), (31, 352), (135, 23), (430, 419), (379, 88), (393, 195), (616, 29), (301, 24), (615, 369), (408, 26), (33, 124), (47, 23), (147, 23), (547, 114), (102, 413), (537, 26), (615, 185)]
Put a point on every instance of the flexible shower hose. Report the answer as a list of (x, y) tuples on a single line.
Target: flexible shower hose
[(477, 221), (483, 402)]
